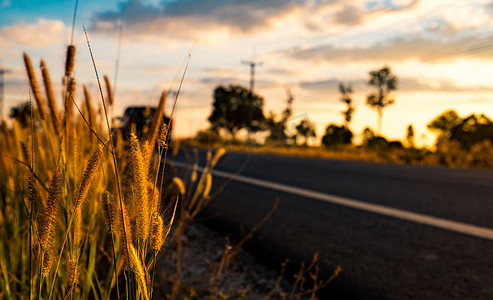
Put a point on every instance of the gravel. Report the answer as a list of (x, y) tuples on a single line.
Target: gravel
[(203, 276)]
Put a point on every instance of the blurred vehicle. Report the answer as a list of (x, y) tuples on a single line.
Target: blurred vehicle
[(139, 119)]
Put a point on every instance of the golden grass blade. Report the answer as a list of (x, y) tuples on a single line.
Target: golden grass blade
[(163, 134), (117, 178), (158, 118), (47, 226), (69, 108), (109, 212), (217, 156), (208, 185), (34, 86), (138, 269), (87, 98), (91, 128), (108, 90), (140, 180), (69, 61), (51, 98), (72, 268), (168, 227), (88, 176), (125, 234), (156, 236), (179, 184), (154, 198)]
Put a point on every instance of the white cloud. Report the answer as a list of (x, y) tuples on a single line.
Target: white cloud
[(43, 33)]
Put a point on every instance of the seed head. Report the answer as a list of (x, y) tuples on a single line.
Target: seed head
[(88, 176), (47, 228), (72, 271), (157, 226), (140, 177), (109, 212), (47, 262), (34, 86), (51, 98), (69, 62)]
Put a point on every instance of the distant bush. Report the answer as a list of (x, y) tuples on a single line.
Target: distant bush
[(208, 136), (336, 135), (451, 153), (466, 132)]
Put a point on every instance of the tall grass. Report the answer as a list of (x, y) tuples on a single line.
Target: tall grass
[(69, 231)]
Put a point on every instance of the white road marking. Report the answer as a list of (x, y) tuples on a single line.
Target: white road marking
[(468, 229)]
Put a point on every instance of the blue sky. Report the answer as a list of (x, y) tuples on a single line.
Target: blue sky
[(440, 50), (27, 11)]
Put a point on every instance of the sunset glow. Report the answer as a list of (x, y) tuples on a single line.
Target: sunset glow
[(440, 50)]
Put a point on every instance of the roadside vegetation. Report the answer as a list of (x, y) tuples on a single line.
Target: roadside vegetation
[(72, 225), (462, 141), (87, 210)]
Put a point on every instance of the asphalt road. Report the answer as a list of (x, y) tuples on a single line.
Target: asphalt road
[(383, 257)]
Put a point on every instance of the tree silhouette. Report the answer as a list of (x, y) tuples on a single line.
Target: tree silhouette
[(371, 140), (21, 112), (277, 129), (473, 130), (336, 135), (385, 82), (467, 132), (410, 136), (234, 108), (306, 129), (444, 124), (346, 90)]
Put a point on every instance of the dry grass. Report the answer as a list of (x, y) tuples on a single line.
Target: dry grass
[(82, 216), (68, 230), (449, 153)]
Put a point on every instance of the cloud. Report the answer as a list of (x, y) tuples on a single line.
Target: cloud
[(350, 14), (399, 49), (199, 19), (43, 33), (405, 85), (191, 18)]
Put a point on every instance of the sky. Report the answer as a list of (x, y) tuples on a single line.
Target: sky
[(440, 50)]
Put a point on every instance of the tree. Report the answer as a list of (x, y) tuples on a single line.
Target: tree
[(346, 91), (466, 132), (234, 108), (208, 136), (22, 113), (444, 124), (277, 129), (306, 129), (371, 140), (367, 135), (410, 136), (385, 82), (472, 130), (336, 135)]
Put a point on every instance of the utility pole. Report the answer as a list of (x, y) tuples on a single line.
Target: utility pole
[(253, 63), (2, 92)]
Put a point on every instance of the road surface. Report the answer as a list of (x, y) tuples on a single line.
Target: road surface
[(398, 231)]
